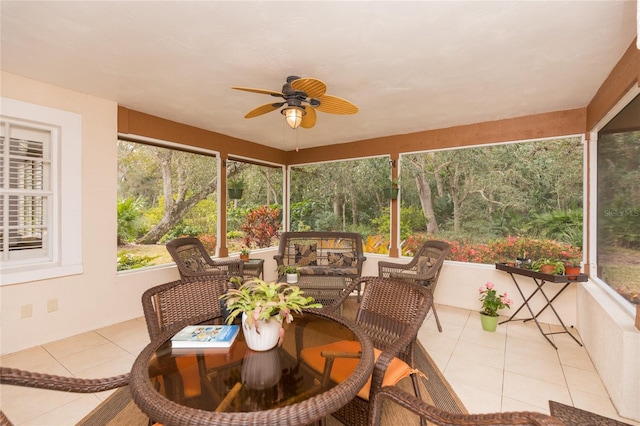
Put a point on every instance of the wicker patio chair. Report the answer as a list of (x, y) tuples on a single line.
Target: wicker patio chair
[(186, 301), (13, 376), (390, 313), (193, 260), (423, 269), (194, 298), (443, 418)]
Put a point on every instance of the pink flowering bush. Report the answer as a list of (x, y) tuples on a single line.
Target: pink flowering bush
[(500, 250), (492, 301)]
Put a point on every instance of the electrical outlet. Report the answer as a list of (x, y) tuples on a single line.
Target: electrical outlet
[(52, 305), (26, 311)]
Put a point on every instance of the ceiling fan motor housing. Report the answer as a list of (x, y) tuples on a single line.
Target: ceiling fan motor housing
[(295, 92)]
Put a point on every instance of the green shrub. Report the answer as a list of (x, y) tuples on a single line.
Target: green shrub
[(234, 234), (181, 230), (128, 261), (130, 219)]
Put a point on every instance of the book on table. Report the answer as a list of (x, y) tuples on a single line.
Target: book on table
[(205, 336)]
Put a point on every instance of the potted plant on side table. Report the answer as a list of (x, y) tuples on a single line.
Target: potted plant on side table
[(572, 268), (291, 271), (264, 306), (548, 266), (491, 302), (244, 254)]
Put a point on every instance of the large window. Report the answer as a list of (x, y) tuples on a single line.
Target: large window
[(163, 193), (39, 192), (618, 214), (254, 205), (493, 203), (343, 196)]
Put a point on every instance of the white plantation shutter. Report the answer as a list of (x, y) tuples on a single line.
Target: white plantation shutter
[(40, 192), (25, 201)]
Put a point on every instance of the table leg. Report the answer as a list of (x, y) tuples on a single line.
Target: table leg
[(550, 304), (526, 303)]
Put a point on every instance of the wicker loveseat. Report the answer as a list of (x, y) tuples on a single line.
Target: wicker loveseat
[(327, 261)]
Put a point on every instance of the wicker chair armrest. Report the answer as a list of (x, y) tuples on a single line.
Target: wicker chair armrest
[(278, 258), (14, 376), (226, 262), (444, 418), (394, 265), (379, 370), (385, 269), (419, 277), (340, 354)]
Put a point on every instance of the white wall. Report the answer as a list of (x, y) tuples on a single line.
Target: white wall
[(613, 343), (97, 297)]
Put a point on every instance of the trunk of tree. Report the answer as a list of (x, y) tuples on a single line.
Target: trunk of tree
[(455, 197), (426, 202), (344, 217), (175, 210), (354, 207)]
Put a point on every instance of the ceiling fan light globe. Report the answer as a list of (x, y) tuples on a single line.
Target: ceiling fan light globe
[(293, 116)]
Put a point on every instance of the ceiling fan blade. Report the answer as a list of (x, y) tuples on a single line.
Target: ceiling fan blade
[(309, 119), (336, 105), (261, 91), (263, 109), (313, 87)]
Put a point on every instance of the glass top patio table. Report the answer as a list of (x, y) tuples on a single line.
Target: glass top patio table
[(239, 386)]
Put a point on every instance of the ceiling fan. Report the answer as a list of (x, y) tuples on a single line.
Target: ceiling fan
[(302, 97)]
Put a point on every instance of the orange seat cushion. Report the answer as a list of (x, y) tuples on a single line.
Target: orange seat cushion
[(343, 367)]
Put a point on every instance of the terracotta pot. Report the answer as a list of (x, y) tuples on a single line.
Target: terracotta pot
[(572, 272), (244, 257), (547, 269)]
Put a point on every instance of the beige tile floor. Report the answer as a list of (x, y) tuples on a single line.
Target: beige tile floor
[(512, 369)]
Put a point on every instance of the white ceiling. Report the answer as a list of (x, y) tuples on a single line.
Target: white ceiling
[(409, 66)]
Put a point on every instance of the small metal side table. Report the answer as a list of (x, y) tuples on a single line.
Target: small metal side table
[(254, 268), (540, 280)]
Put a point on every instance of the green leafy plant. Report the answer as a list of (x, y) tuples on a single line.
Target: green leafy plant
[(288, 269), (260, 300), (130, 219), (244, 252), (128, 261), (558, 265), (492, 301), (236, 183)]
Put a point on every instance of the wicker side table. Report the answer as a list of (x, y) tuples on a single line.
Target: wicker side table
[(253, 268)]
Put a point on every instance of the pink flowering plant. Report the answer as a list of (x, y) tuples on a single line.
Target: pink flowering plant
[(492, 301)]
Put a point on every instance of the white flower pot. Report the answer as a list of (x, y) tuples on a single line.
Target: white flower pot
[(263, 335), (292, 278)]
